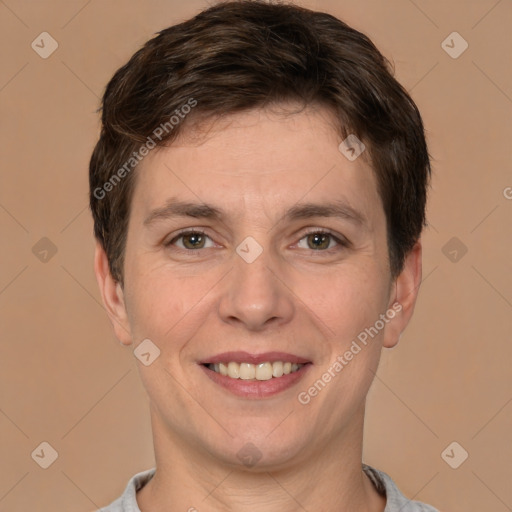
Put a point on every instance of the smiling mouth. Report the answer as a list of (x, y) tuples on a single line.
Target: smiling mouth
[(249, 371)]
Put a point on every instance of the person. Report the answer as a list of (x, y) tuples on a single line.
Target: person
[(258, 193)]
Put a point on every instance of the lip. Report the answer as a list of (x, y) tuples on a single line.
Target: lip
[(246, 357), (256, 389)]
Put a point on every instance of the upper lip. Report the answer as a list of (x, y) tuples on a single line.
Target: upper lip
[(246, 357)]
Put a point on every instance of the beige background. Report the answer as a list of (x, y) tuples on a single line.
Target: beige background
[(65, 380)]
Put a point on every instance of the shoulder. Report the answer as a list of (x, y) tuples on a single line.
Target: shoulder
[(395, 500), (127, 502)]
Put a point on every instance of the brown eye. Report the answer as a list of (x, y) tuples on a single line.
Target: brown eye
[(193, 241), (190, 240), (322, 241), (319, 240)]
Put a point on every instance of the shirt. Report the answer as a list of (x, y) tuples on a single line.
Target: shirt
[(395, 500)]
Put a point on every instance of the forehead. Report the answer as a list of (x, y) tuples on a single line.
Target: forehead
[(257, 161)]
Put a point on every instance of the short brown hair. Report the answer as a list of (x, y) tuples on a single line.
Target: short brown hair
[(242, 55)]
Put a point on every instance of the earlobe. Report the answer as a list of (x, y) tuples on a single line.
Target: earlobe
[(403, 299), (112, 295)]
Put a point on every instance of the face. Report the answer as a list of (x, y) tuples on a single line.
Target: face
[(257, 246)]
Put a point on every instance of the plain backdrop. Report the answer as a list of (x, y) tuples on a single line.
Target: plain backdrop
[(66, 381)]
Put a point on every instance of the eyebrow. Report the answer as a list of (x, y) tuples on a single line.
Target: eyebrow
[(177, 208)]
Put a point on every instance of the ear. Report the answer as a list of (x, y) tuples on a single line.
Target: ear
[(112, 295), (403, 297)]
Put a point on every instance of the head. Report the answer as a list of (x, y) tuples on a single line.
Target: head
[(219, 159)]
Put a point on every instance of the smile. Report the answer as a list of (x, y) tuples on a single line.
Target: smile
[(255, 376), (249, 371)]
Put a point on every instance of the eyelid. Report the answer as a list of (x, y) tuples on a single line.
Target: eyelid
[(339, 239), (186, 231)]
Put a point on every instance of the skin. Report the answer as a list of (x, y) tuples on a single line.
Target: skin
[(295, 298)]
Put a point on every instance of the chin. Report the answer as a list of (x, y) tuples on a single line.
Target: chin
[(260, 451)]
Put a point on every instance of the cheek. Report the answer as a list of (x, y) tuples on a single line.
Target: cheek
[(350, 304), (347, 300), (167, 309), (154, 306)]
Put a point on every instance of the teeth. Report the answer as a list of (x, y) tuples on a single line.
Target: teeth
[(223, 369), (261, 371), (277, 369), (233, 370), (264, 371), (247, 371)]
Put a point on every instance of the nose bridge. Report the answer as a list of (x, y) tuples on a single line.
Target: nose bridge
[(254, 295)]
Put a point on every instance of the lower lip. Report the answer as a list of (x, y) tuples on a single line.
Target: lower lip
[(257, 388)]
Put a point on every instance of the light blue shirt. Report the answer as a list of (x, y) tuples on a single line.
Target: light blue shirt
[(395, 500)]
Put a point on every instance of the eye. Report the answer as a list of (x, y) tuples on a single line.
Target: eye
[(320, 241), (191, 240)]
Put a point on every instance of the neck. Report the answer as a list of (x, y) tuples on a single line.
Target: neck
[(332, 479)]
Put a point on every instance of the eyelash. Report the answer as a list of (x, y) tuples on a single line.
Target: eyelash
[(340, 241)]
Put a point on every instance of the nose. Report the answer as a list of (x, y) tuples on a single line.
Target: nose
[(255, 294)]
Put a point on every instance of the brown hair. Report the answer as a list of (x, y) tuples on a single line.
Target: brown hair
[(243, 55)]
